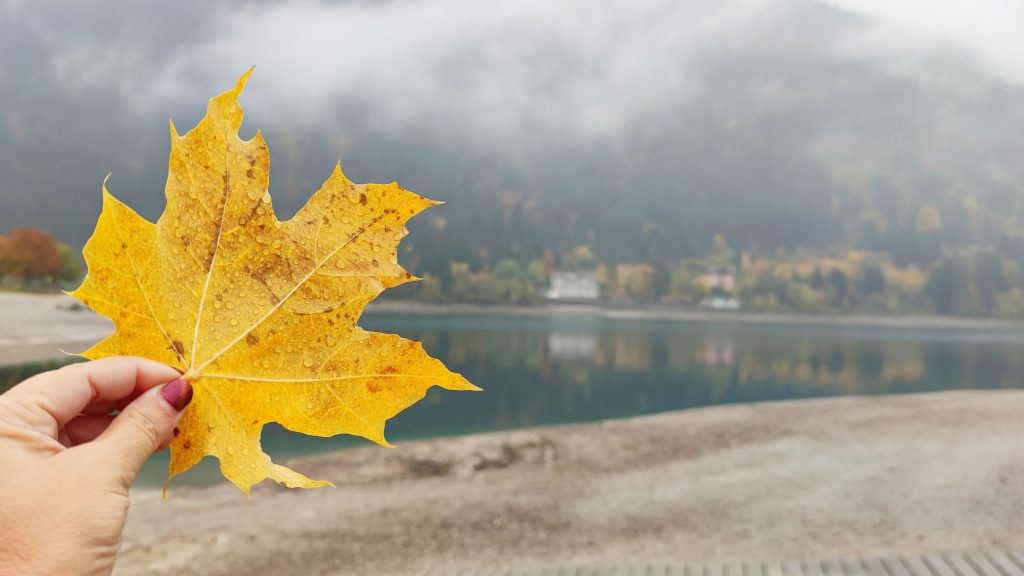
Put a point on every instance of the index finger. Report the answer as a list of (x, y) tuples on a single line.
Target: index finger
[(52, 399)]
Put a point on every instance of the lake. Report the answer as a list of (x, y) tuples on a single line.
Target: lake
[(560, 369)]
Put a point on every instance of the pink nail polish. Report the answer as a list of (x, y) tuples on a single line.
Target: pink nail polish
[(177, 393)]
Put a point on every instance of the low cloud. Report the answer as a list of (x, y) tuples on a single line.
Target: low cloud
[(504, 69), (988, 31), (488, 69)]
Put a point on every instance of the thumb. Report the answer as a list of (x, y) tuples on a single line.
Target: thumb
[(142, 428)]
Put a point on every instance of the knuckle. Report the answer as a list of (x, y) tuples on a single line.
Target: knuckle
[(145, 427)]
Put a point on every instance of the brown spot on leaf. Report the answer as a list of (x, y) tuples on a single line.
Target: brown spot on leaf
[(251, 339), (362, 199), (373, 387), (176, 431), (187, 444), (389, 370), (178, 346)]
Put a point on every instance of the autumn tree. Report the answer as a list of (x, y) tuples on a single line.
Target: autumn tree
[(5, 260), (28, 253), (721, 253), (580, 259)]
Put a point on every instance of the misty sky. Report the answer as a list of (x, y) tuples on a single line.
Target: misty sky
[(484, 69), (782, 105)]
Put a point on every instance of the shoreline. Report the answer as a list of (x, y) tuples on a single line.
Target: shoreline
[(677, 314), (806, 479), (39, 326)]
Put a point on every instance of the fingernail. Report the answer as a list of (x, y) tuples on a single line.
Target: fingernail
[(177, 393)]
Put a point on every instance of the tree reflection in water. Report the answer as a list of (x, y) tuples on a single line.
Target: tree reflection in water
[(538, 371), (541, 371)]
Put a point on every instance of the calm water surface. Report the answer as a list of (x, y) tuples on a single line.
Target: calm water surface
[(553, 370)]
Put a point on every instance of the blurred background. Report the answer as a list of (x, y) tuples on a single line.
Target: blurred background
[(795, 157), (826, 156), (651, 205)]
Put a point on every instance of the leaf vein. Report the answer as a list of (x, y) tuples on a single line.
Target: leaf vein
[(213, 259), (291, 292)]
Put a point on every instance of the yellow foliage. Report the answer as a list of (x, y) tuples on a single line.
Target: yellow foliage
[(260, 315), (910, 279)]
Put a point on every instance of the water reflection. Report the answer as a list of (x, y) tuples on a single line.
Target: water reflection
[(538, 371), (541, 371), (568, 345)]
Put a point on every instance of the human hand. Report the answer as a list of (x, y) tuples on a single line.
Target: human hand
[(67, 462)]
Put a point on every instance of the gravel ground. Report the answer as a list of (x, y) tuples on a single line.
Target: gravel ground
[(805, 479), (36, 327)]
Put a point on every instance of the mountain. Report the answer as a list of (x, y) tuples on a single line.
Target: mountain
[(641, 133)]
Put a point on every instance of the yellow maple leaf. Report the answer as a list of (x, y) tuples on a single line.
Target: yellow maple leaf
[(260, 315)]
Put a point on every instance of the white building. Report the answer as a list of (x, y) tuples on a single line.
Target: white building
[(575, 286)]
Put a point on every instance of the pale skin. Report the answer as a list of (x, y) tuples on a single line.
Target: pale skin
[(66, 462)]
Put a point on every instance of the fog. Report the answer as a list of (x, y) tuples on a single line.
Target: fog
[(640, 128)]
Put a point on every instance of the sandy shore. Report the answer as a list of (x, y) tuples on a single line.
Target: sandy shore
[(805, 479), (35, 327)]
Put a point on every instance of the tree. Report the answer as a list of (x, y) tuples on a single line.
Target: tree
[(837, 283), (536, 274), (872, 278), (508, 269), (948, 286), (30, 253), (989, 277), (817, 279), (1009, 304), (5, 259), (509, 278), (635, 282), (580, 259), (489, 290), (536, 279), (430, 290), (721, 254), (71, 268), (801, 296), (681, 284), (461, 286)]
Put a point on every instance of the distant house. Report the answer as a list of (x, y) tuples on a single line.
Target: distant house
[(719, 303), (574, 287), (721, 281)]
